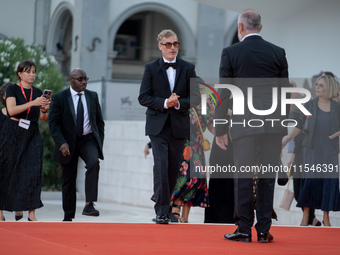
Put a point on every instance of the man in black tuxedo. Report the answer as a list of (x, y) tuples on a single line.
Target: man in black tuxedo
[(77, 127), (165, 91), (256, 63)]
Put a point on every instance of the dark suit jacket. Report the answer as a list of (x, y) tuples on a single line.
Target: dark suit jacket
[(62, 122), (334, 123), (155, 88), (255, 63)]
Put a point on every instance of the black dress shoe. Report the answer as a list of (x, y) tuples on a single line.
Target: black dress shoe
[(67, 219), (89, 210), (161, 219), (238, 236), (18, 217), (264, 237)]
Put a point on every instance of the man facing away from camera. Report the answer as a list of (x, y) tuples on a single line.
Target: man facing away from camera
[(255, 58)]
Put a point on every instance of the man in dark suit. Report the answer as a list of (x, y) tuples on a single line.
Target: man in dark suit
[(256, 63), (165, 91), (77, 127)]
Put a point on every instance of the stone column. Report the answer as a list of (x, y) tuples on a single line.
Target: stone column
[(210, 39), (41, 23), (90, 27)]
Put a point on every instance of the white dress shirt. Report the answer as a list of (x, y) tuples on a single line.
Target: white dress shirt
[(171, 72), (87, 126), (250, 35)]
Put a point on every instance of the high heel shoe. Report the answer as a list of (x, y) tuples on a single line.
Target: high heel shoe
[(326, 225), (29, 219), (18, 217), (316, 223), (303, 225), (176, 215)]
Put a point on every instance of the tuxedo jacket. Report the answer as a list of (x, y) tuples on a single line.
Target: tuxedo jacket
[(62, 122), (261, 65), (155, 88)]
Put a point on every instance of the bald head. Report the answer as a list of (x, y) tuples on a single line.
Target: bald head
[(78, 79), (76, 71), (249, 21)]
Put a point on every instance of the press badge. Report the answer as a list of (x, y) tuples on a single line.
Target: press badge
[(24, 123)]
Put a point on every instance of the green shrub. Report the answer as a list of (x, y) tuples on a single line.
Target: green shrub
[(12, 52)]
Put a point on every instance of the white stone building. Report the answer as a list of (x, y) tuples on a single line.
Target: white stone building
[(113, 39)]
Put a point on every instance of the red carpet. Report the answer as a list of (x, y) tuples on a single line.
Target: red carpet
[(125, 238)]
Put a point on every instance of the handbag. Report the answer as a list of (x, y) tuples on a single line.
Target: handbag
[(287, 198), (305, 125), (282, 177), (205, 142)]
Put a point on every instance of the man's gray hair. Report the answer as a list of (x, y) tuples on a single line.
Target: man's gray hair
[(165, 33), (251, 20)]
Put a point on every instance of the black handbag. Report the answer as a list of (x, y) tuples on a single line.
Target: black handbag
[(282, 178), (305, 125)]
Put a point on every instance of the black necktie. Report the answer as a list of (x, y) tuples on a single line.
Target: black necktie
[(167, 65), (80, 116)]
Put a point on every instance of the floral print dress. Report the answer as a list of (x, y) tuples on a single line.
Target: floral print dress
[(191, 186)]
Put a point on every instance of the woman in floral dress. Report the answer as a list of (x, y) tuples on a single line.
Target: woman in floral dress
[(191, 188)]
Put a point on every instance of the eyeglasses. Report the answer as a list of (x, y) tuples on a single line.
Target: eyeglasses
[(319, 84), (168, 45), (80, 79)]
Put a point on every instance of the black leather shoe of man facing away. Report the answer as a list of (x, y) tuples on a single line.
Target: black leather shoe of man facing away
[(89, 210), (264, 237), (238, 236), (162, 219)]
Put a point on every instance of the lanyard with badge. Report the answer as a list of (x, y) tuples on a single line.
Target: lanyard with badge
[(25, 123)]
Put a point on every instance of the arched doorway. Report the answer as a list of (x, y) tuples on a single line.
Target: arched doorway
[(136, 45), (133, 40)]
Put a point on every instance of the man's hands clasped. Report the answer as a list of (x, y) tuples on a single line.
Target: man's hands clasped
[(172, 100)]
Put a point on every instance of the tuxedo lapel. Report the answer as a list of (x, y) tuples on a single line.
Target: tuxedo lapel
[(163, 71), (88, 102), (70, 103), (178, 70)]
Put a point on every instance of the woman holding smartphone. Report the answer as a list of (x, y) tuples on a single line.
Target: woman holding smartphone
[(21, 147)]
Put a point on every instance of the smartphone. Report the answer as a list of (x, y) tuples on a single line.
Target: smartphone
[(47, 93)]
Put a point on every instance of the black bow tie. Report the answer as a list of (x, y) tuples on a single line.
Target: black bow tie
[(167, 65)]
